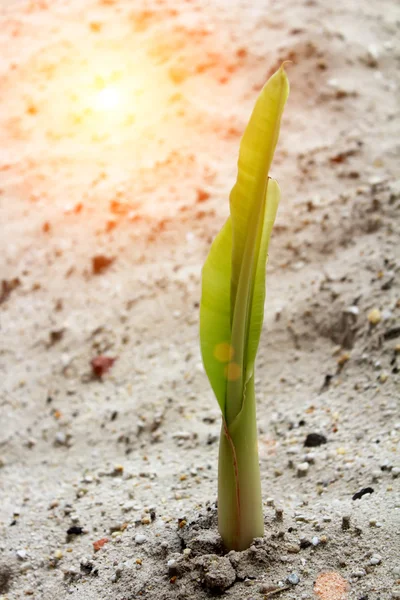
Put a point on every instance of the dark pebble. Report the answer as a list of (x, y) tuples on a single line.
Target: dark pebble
[(361, 493), (314, 439), (75, 530), (327, 382), (101, 364), (346, 522), (8, 286), (392, 333), (100, 263)]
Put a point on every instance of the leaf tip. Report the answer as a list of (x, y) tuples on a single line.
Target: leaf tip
[(285, 63)]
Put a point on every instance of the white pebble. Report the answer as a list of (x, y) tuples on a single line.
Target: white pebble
[(293, 579), (171, 564), (359, 573), (302, 469), (315, 541), (60, 438), (140, 538), (352, 310)]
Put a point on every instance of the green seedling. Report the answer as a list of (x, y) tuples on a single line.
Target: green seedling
[(232, 313)]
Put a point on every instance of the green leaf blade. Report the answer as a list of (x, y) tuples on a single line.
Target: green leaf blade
[(255, 157), (248, 210), (232, 304), (258, 297), (215, 329)]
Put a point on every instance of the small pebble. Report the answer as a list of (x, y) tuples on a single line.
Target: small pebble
[(293, 579), (116, 534), (376, 475), (60, 438), (383, 377), (374, 316), (182, 435), (363, 492), (346, 522), (375, 559), (171, 564), (315, 541), (26, 567), (21, 554), (140, 538), (302, 469), (279, 514), (359, 573), (310, 458), (324, 539), (314, 439), (343, 358)]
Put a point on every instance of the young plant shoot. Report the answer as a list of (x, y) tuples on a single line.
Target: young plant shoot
[(232, 312)]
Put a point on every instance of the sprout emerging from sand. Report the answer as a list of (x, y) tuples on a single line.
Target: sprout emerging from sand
[(232, 312)]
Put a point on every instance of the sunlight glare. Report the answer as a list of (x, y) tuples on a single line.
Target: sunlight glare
[(108, 99)]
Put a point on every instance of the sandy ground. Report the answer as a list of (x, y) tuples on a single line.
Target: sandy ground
[(120, 125)]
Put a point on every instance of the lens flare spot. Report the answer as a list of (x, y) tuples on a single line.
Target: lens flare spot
[(232, 371), (223, 352), (108, 99)]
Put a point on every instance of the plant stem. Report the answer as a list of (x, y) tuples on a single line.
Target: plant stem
[(240, 515)]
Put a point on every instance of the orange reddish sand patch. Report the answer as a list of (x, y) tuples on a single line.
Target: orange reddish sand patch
[(331, 586)]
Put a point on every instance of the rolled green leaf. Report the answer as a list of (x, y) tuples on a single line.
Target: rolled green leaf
[(232, 312)]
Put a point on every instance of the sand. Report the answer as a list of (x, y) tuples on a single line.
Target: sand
[(120, 125)]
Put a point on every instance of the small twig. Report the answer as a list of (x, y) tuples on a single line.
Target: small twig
[(276, 591)]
